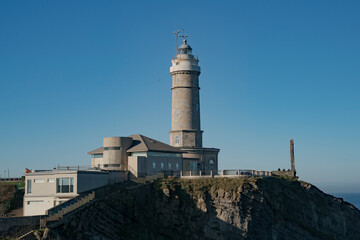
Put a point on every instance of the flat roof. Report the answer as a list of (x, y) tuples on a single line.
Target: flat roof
[(61, 171)]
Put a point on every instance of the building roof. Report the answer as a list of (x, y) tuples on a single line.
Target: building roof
[(185, 45), (99, 150), (144, 144), (64, 171)]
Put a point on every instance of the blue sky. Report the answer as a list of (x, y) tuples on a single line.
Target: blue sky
[(72, 73)]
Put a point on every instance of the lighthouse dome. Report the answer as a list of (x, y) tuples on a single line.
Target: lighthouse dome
[(185, 48)]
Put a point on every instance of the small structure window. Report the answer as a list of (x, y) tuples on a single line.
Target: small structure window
[(177, 140), (64, 185), (29, 186), (35, 202), (39, 180), (211, 161)]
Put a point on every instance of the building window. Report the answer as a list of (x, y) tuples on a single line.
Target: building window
[(29, 186), (169, 165), (154, 165), (211, 161), (111, 165), (51, 180), (162, 165), (39, 180), (64, 185), (34, 202), (111, 148), (177, 166), (177, 140)]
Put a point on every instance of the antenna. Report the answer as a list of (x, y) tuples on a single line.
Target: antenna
[(183, 36), (177, 36)]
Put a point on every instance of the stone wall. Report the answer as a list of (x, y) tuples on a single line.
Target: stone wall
[(10, 226)]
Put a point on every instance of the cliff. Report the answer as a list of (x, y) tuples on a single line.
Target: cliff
[(220, 208)]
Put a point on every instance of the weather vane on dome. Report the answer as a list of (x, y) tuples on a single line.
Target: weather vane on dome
[(178, 34)]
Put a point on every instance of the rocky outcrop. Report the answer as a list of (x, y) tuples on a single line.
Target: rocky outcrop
[(220, 208)]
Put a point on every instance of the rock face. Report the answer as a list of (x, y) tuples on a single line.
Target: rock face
[(220, 208)]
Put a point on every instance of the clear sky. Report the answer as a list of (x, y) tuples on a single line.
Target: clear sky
[(73, 72)]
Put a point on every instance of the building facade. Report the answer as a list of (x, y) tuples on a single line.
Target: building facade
[(138, 154), (47, 189), (186, 133)]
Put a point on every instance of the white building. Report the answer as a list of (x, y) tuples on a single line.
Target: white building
[(46, 189), (141, 155)]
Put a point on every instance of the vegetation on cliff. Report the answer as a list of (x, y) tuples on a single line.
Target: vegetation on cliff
[(7, 197)]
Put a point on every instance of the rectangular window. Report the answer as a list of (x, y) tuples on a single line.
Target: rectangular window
[(64, 185), (111, 148), (34, 202), (29, 186), (177, 166), (169, 165), (51, 180), (162, 165), (154, 165), (39, 180)]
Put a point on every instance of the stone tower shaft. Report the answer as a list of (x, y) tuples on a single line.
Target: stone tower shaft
[(185, 114)]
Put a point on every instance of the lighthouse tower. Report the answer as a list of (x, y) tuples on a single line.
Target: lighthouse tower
[(186, 132), (185, 115)]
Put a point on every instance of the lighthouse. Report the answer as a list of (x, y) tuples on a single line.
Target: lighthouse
[(185, 114), (186, 132)]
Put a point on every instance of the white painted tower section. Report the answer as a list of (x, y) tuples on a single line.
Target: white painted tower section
[(185, 114)]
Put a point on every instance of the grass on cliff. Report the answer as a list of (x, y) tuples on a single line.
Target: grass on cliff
[(199, 187), (7, 197)]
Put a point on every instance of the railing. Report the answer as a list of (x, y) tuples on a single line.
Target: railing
[(79, 167), (226, 173), (59, 211), (197, 173)]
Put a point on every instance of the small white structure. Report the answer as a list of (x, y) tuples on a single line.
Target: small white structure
[(48, 188)]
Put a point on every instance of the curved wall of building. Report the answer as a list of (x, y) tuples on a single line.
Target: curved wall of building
[(114, 155)]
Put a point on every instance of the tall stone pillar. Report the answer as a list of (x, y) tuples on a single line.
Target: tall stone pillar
[(292, 157)]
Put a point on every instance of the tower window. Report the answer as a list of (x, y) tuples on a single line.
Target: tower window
[(177, 140), (177, 79), (211, 161), (177, 114)]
